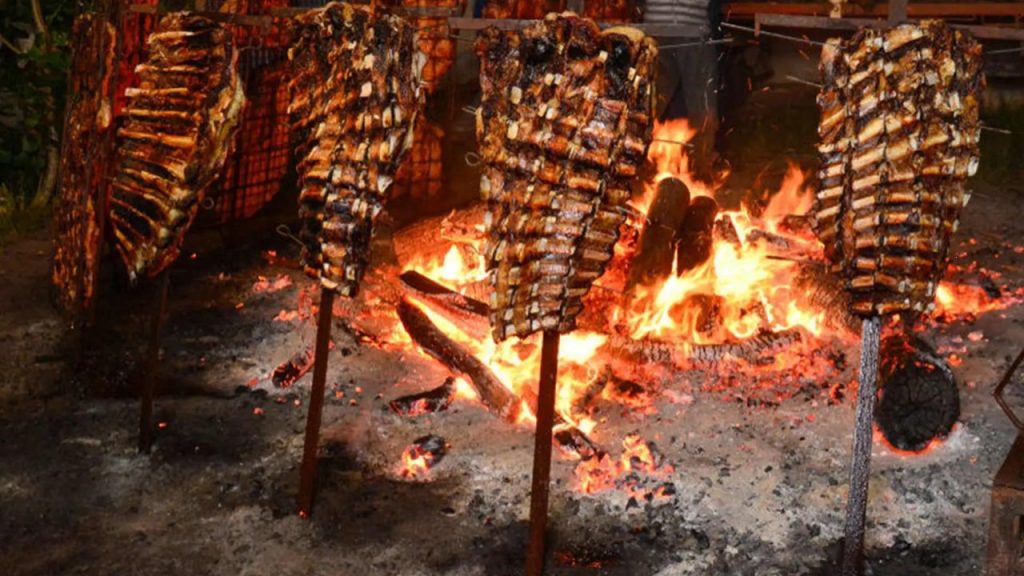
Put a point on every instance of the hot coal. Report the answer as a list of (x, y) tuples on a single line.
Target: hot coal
[(423, 454), (919, 400), (436, 400)]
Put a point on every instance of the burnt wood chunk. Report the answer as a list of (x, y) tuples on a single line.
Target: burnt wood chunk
[(919, 401), (430, 401), (695, 239)]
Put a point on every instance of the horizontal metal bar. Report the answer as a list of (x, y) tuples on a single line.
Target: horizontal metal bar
[(881, 10), (815, 22), (679, 30)]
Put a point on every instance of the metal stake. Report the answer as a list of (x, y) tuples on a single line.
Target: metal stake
[(152, 364), (856, 509), (307, 478), (542, 453)]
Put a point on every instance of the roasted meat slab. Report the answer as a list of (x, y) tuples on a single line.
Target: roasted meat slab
[(359, 124), (563, 126), (899, 136), (84, 155), (179, 122)]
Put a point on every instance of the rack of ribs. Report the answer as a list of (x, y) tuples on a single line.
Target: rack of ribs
[(179, 122), (563, 127), (357, 101), (899, 134)]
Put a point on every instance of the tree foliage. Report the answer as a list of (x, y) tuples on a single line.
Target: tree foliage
[(34, 59)]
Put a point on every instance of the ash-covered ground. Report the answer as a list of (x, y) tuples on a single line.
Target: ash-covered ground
[(753, 489)]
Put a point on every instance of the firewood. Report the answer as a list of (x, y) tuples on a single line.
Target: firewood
[(430, 401), (665, 217), (443, 296), (919, 401), (493, 393), (423, 332), (671, 354), (694, 237)]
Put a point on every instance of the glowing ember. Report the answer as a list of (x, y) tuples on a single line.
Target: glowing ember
[(955, 301), (638, 466), (421, 456), (264, 285)]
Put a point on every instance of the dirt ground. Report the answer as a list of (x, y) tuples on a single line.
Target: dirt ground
[(755, 490)]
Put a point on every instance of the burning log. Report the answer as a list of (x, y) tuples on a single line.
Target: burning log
[(694, 236), (652, 351), (423, 332), (752, 349), (667, 214), (919, 400), (430, 401), (725, 230), (493, 394), (466, 309), (771, 239)]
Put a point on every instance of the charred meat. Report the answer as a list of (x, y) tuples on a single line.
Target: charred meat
[(179, 122), (899, 136), (563, 126), (359, 104)]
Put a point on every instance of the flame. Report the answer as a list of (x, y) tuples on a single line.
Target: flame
[(955, 301), (749, 285), (746, 288), (461, 264)]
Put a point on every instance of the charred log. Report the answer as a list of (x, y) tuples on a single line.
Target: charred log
[(694, 237), (666, 216), (919, 401), (423, 332), (651, 351), (493, 393), (442, 295), (428, 402)]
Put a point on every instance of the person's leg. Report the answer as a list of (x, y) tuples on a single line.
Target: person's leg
[(667, 82), (700, 90)]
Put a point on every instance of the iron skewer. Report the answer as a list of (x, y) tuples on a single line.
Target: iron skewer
[(860, 471), (156, 322), (542, 453), (310, 448)]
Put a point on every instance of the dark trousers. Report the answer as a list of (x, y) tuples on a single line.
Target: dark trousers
[(687, 86)]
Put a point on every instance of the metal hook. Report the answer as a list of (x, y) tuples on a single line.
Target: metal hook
[(473, 159), (284, 231)]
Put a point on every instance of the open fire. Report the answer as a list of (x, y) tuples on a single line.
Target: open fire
[(759, 306)]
